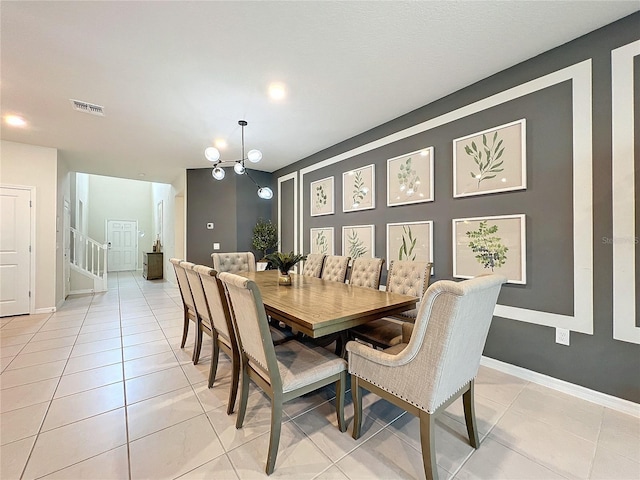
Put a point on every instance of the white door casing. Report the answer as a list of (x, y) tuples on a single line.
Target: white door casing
[(15, 255), (66, 245), (122, 242)]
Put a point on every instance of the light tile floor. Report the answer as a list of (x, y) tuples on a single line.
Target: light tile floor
[(101, 390)]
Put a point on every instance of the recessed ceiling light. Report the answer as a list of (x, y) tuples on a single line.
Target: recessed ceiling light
[(220, 143), (277, 90), (15, 121)]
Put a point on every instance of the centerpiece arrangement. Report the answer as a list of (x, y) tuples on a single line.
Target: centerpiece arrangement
[(284, 262)]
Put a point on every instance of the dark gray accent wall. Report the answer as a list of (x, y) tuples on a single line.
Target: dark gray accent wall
[(594, 361), (231, 204), (287, 199)]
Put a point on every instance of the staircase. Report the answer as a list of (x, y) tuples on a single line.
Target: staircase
[(88, 262)]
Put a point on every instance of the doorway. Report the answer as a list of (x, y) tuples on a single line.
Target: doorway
[(122, 242)]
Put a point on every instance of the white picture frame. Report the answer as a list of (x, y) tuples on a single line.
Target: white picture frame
[(358, 189), (410, 178), (358, 241), (322, 200), (321, 240), (411, 241)]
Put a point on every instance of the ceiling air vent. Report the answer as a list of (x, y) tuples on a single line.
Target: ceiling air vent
[(87, 107)]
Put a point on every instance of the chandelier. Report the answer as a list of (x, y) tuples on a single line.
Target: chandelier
[(254, 156)]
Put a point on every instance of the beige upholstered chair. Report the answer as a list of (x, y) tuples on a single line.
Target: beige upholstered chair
[(365, 272), (214, 319), (406, 278), (187, 298), (335, 268), (313, 265), (283, 372), (234, 262), (439, 363)]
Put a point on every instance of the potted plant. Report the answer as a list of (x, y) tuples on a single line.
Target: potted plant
[(265, 238), (285, 262)]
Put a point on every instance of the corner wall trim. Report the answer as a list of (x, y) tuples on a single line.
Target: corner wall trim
[(599, 398), (580, 75), (291, 176)]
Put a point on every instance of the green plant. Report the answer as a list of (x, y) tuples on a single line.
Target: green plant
[(408, 178), (408, 244), (321, 197), (359, 190), (322, 243), (490, 252), (265, 236), (488, 164), (285, 261), (356, 246)]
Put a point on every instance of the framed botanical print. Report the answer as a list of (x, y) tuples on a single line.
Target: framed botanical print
[(358, 241), (410, 241), (322, 240), (491, 161), (358, 189), (322, 200), (490, 245), (410, 178)]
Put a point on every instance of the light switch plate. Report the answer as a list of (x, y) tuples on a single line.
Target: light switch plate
[(216, 246), (210, 226), (562, 336)]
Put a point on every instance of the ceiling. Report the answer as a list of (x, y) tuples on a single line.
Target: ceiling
[(174, 76)]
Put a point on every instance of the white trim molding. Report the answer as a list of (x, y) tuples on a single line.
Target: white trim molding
[(291, 176), (599, 398), (580, 76), (624, 197)]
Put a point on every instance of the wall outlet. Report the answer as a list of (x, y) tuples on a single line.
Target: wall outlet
[(562, 336), (216, 246), (210, 226)]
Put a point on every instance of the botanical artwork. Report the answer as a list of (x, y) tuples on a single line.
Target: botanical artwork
[(358, 241), (490, 161), (411, 241), (322, 240), (490, 245), (410, 178), (358, 189), (322, 197)]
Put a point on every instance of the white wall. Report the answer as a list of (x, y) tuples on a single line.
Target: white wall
[(63, 192), (29, 165), (165, 193)]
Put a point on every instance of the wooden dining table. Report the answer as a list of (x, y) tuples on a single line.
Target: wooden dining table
[(319, 307)]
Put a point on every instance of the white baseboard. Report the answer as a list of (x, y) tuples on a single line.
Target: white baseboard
[(82, 292), (45, 310), (599, 398)]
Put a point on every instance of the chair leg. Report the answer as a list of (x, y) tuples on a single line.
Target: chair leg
[(427, 440), (185, 328), (213, 366), (356, 394), (274, 439), (244, 396), (235, 378), (198, 345), (468, 401), (340, 388)]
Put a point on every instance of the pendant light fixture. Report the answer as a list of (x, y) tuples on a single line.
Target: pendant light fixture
[(254, 156)]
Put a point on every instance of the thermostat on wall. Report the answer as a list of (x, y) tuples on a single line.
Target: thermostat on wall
[(210, 226)]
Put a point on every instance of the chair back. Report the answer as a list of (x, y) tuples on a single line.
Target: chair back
[(234, 262), (183, 283), (335, 268), (313, 265), (365, 272), (448, 339), (251, 324), (216, 301), (409, 278)]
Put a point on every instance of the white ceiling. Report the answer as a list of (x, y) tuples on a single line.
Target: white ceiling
[(173, 76)]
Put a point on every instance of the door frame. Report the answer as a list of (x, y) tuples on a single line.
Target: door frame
[(32, 242), (106, 239), (66, 247)]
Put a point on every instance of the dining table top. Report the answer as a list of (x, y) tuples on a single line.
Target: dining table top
[(319, 307)]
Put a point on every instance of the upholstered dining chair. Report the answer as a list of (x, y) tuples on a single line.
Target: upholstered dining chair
[(406, 278), (366, 272), (234, 262), (335, 268), (283, 372), (187, 299), (437, 365), (313, 265)]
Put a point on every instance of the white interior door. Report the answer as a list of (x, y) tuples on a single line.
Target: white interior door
[(122, 241), (15, 256), (67, 248)]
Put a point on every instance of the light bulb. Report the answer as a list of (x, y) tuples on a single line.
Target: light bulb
[(238, 168), (212, 154), (218, 173), (265, 192), (254, 156)]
